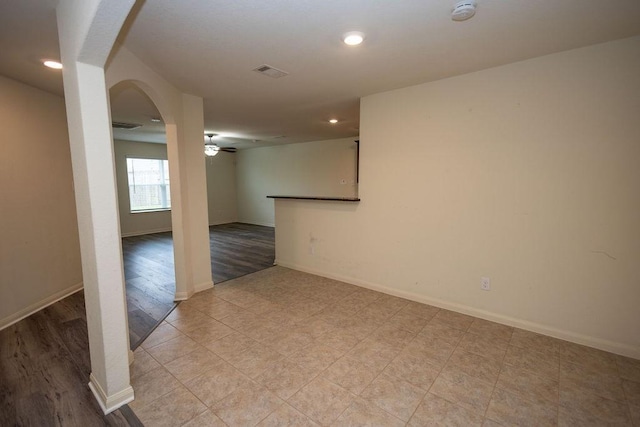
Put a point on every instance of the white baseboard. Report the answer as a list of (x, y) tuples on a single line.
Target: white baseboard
[(183, 296), (212, 224), (37, 306), (263, 224), (142, 233), (109, 404), (606, 345), (203, 286)]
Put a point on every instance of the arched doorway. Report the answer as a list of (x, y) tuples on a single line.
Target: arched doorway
[(144, 205)]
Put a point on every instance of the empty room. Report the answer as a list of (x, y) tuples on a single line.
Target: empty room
[(449, 192)]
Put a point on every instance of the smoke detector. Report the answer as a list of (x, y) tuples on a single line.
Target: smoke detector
[(463, 10)]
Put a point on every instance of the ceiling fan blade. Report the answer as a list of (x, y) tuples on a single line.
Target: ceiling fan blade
[(229, 149)]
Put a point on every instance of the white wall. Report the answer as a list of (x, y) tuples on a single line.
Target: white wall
[(221, 189), (527, 173), (39, 247), (306, 169)]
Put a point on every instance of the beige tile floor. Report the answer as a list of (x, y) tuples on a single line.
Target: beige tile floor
[(285, 348)]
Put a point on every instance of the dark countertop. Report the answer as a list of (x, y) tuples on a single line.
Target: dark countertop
[(331, 199)]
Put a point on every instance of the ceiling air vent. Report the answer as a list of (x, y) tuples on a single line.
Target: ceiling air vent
[(268, 70), (123, 125)]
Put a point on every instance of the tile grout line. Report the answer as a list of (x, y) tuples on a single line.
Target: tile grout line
[(495, 385)]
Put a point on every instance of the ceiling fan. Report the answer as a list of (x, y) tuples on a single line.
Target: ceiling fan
[(211, 148)]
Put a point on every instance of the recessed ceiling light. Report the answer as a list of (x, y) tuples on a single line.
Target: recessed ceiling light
[(333, 121), (52, 64), (353, 38), (155, 120)]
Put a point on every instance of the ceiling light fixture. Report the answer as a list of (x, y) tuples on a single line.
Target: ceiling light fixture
[(463, 10), (333, 121), (211, 149), (353, 38), (155, 120), (52, 64)]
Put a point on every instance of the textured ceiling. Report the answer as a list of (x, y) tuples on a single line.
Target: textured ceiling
[(210, 47)]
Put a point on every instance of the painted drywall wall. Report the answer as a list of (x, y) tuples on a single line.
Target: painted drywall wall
[(307, 169), (39, 248), (134, 224), (221, 189), (222, 194), (526, 173)]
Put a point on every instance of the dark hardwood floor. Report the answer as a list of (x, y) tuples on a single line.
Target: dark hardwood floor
[(44, 359), (150, 282), (236, 249), (44, 371)]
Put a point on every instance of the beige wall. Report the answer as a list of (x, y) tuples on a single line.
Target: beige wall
[(221, 189), (133, 224), (306, 169), (39, 248), (527, 173)]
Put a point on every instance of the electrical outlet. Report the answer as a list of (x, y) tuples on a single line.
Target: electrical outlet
[(485, 283)]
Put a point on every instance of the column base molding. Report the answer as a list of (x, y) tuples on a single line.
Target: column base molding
[(109, 404)]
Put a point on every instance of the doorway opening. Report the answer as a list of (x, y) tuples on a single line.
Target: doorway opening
[(144, 202)]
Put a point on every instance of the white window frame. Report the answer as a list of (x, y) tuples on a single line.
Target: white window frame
[(164, 186)]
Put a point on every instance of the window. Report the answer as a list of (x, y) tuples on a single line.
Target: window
[(148, 184)]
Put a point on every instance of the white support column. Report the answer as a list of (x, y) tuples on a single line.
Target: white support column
[(87, 31), (191, 225), (179, 216), (198, 213)]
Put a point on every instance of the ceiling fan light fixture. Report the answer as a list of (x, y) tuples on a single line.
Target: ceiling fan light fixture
[(353, 38), (211, 150)]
